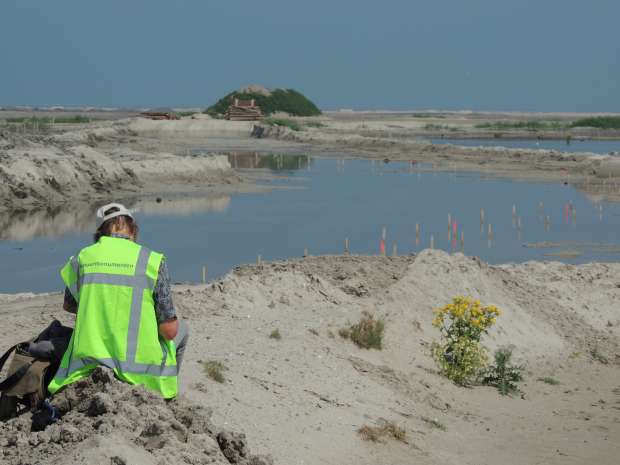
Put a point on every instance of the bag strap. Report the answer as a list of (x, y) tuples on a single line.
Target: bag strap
[(17, 375), (6, 355)]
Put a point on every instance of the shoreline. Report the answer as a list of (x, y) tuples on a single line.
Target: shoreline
[(137, 158)]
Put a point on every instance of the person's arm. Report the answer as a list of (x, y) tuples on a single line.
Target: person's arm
[(70, 305), (164, 309)]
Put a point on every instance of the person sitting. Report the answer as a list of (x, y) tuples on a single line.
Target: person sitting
[(125, 319)]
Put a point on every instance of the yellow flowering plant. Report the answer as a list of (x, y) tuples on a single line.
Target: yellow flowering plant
[(459, 355)]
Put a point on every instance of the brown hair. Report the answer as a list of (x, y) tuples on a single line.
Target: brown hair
[(121, 222)]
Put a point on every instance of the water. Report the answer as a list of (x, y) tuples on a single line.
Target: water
[(328, 201), (576, 145)]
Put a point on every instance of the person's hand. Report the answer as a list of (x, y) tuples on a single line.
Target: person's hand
[(168, 329)]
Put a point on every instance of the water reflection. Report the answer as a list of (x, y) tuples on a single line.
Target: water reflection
[(181, 206), (254, 160), (25, 226), (79, 218)]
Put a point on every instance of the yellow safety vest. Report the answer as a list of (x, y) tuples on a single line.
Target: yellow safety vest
[(112, 281)]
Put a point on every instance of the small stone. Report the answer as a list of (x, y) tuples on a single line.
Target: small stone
[(154, 429), (69, 433), (101, 376), (232, 445), (100, 404), (11, 441), (260, 460)]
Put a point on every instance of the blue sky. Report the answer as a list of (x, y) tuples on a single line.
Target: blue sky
[(544, 55)]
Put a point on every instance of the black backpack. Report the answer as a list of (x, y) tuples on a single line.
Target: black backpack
[(32, 368)]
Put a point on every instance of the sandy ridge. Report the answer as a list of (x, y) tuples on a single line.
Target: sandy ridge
[(534, 163), (97, 163)]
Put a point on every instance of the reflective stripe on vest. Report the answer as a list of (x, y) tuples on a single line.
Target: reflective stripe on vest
[(139, 282)]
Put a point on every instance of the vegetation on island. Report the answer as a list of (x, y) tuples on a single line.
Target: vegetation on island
[(45, 122), (40, 124), (601, 122), (286, 122), (293, 125), (278, 100), (526, 125)]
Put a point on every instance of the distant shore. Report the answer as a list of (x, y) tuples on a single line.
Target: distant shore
[(138, 157)]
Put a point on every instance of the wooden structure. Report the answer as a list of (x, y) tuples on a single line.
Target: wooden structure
[(243, 110), (159, 113)]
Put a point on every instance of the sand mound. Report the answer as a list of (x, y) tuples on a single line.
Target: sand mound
[(549, 309), (306, 395), (185, 127), (104, 421), (312, 389), (100, 162)]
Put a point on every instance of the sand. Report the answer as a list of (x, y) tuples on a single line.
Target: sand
[(303, 398), (102, 162), (107, 421)]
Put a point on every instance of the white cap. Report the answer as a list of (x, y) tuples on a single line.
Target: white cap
[(102, 217)]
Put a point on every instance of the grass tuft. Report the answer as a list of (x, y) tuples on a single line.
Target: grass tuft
[(289, 123), (503, 374), (314, 124), (439, 127), (428, 115), (385, 430), (596, 354), (434, 423), (367, 333), (275, 334), (214, 370), (549, 380)]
